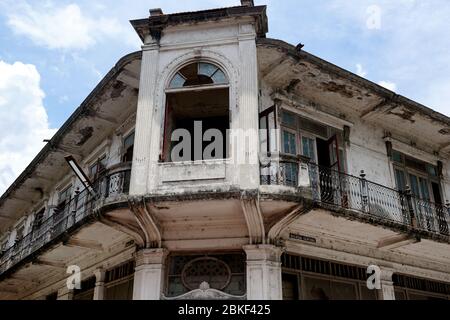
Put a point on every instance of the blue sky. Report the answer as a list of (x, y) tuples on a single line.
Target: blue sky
[(53, 53)]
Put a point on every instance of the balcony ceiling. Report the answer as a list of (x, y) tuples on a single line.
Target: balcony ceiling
[(377, 243)]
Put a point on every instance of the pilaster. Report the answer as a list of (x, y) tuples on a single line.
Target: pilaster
[(264, 272), (149, 274), (145, 120)]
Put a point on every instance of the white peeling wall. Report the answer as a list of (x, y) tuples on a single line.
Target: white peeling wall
[(367, 151)]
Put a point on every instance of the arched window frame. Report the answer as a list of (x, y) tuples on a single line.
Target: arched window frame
[(201, 87), (215, 85)]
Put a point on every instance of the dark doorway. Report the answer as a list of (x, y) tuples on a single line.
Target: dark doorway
[(323, 153)]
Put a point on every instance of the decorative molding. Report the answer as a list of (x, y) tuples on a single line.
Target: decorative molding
[(277, 229), (210, 261), (254, 220), (126, 125), (147, 222), (204, 292)]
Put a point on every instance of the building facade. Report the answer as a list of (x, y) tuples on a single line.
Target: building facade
[(300, 178)]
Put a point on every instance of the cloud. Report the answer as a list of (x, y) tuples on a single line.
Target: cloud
[(388, 85), (360, 70), (409, 46), (23, 119), (64, 27)]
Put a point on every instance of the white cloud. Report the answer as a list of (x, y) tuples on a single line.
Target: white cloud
[(388, 85), (23, 119), (360, 70), (64, 27)]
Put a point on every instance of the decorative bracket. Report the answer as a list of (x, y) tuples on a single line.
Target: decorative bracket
[(204, 292)]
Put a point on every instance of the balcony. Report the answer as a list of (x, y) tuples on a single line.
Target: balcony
[(79, 210), (340, 191)]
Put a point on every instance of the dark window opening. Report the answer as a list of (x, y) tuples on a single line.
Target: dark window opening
[(207, 109), (38, 218), (290, 286), (97, 168), (313, 279), (63, 200), (52, 296), (86, 291), (128, 146)]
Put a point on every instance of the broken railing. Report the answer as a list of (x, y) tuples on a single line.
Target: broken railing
[(113, 183), (345, 191)]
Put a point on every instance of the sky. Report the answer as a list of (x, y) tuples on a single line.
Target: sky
[(53, 53)]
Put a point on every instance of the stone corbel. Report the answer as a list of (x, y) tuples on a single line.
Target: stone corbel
[(126, 227), (277, 229), (254, 220), (147, 222)]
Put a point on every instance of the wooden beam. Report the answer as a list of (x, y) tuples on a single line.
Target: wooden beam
[(20, 279), (384, 105), (85, 244), (49, 263), (9, 291), (397, 241)]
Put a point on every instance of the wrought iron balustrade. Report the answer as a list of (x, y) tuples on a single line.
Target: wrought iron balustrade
[(356, 193), (113, 183)]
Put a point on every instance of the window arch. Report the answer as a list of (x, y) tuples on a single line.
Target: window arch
[(198, 74)]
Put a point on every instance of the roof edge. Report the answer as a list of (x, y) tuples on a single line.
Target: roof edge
[(154, 25), (49, 147), (386, 93)]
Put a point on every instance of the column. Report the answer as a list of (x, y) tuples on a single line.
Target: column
[(149, 274), (99, 290), (387, 285), (264, 272), (247, 122), (145, 120)]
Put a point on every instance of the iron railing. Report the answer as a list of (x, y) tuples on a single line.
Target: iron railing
[(113, 183), (356, 193)]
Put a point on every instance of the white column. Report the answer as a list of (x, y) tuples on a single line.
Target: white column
[(264, 272), (149, 274), (248, 110), (99, 290), (144, 120), (387, 286)]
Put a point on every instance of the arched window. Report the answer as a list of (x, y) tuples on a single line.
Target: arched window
[(197, 114), (197, 74)]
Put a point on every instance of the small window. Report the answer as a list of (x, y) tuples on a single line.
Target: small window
[(63, 199), (20, 233), (128, 146), (38, 218), (289, 120), (289, 142), (97, 168), (313, 127), (397, 157), (4, 245), (309, 148), (432, 170), (197, 74)]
